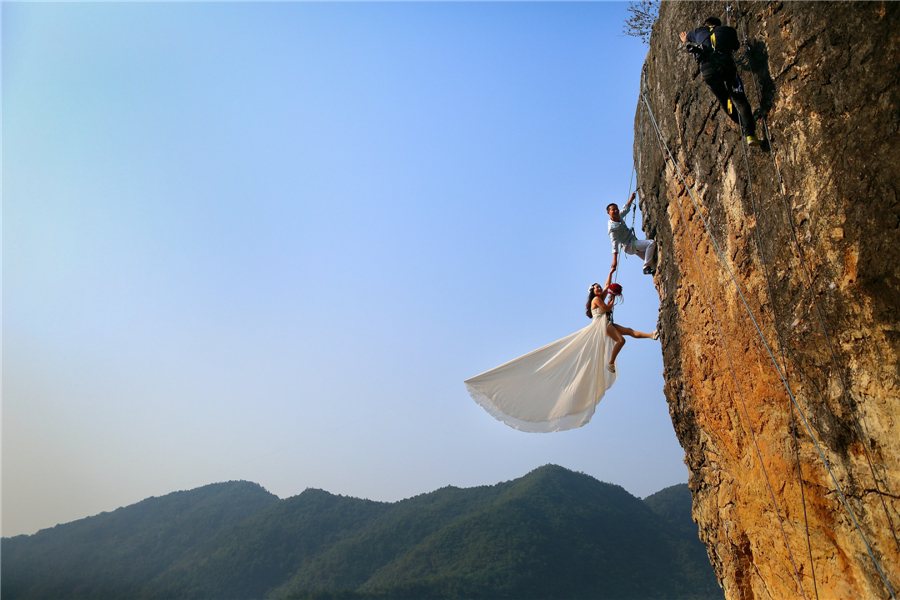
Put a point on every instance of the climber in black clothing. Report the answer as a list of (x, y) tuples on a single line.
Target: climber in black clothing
[(712, 46)]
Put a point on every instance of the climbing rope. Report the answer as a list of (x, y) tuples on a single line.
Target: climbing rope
[(635, 168), (845, 391), (728, 356), (668, 152), (781, 344)]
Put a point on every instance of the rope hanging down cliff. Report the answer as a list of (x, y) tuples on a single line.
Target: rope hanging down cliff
[(725, 347), (635, 169), (781, 376), (809, 285), (781, 343), (756, 216)]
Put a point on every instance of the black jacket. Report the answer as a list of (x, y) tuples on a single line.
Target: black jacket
[(713, 47)]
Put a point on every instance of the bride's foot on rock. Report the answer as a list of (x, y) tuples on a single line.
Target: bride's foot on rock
[(655, 335)]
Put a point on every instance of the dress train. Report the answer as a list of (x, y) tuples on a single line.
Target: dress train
[(553, 388)]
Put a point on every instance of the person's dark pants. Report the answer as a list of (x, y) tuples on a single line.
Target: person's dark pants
[(726, 85)]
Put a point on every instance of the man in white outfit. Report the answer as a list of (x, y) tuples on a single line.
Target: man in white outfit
[(623, 236)]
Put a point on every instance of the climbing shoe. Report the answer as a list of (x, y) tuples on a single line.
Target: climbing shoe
[(611, 367), (655, 335), (752, 140), (649, 271)]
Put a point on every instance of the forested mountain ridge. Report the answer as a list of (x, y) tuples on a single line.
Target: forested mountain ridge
[(551, 534), (113, 554), (673, 504)]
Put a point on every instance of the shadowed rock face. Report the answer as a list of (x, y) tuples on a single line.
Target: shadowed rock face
[(817, 260)]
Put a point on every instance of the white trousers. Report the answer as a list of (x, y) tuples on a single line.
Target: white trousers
[(646, 249)]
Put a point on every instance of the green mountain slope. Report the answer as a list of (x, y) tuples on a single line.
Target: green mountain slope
[(353, 563), (673, 504), (550, 534), (114, 554), (248, 560)]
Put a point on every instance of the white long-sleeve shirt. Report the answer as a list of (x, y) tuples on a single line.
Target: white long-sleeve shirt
[(619, 232)]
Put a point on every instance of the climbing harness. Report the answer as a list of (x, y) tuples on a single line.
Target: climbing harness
[(771, 356)]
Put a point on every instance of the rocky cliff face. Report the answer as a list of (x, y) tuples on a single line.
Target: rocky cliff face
[(809, 231)]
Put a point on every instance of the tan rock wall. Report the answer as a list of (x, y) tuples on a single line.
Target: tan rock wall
[(827, 81)]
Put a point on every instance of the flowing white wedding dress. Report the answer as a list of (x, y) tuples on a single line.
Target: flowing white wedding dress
[(553, 388)]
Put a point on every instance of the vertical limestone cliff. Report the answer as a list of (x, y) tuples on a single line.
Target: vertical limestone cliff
[(811, 238)]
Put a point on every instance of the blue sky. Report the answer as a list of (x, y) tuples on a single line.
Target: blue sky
[(270, 241)]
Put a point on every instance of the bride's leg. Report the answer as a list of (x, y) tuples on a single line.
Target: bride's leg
[(615, 336), (635, 334)]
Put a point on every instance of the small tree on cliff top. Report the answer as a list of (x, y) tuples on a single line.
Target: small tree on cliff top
[(643, 15)]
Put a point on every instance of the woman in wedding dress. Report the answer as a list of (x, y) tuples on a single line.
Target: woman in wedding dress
[(556, 387), (615, 331)]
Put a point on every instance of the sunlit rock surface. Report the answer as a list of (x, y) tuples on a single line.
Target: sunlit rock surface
[(826, 80)]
